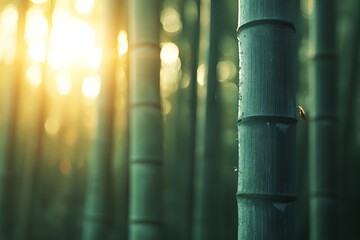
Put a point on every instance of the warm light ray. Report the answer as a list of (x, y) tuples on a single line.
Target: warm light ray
[(73, 43), (84, 6), (122, 43), (37, 51), (36, 27), (9, 17), (8, 27), (91, 86), (94, 57), (33, 74), (63, 83)]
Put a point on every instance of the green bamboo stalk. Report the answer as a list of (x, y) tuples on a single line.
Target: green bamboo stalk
[(348, 84), (146, 148), (121, 140), (266, 119), (121, 163), (207, 171), (97, 218), (323, 125), (30, 177), (180, 165), (8, 122)]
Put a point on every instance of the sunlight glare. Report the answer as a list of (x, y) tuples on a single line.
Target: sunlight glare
[(37, 51), (36, 25), (7, 49), (33, 74), (201, 75), (84, 6), (94, 57), (39, 1), (9, 18), (170, 20), (122, 43), (72, 43), (60, 15), (8, 27), (63, 83), (91, 86), (169, 53), (169, 77)]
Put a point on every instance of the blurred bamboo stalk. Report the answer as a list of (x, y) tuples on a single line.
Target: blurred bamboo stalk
[(206, 222), (323, 136), (98, 196), (146, 144), (8, 131)]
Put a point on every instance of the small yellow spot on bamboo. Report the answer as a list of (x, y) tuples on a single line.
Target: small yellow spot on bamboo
[(301, 112)]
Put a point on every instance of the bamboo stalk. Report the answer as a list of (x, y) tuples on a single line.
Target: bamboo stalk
[(8, 129), (207, 170), (98, 200), (146, 148), (323, 125), (266, 119)]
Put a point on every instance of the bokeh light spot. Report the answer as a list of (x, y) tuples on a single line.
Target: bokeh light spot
[(171, 21), (91, 86), (63, 83), (9, 17), (169, 53), (122, 43), (226, 70), (36, 27), (37, 51), (33, 74), (84, 6), (201, 75)]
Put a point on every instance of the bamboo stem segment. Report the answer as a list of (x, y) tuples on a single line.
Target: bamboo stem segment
[(146, 160), (323, 124), (266, 119)]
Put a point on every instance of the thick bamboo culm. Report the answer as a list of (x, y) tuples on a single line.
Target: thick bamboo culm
[(266, 119)]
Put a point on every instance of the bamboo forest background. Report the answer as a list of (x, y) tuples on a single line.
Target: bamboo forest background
[(86, 152)]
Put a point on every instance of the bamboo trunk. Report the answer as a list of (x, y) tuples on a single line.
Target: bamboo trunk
[(146, 148), (323, 125), (8, 120), (179, 169), (98, 201), (266, 119), (348, 85), (207, 171)]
